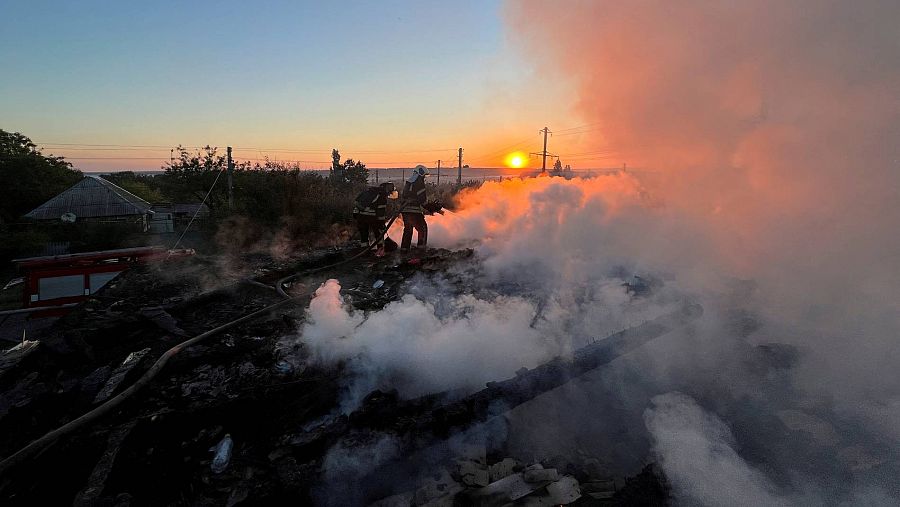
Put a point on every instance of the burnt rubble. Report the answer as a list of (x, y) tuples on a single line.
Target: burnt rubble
[(278, 409)]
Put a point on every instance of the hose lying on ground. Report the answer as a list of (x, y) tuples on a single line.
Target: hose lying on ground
[(50, 438), (279, 285)]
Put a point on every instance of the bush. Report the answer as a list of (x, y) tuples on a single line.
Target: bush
[(28, 178)]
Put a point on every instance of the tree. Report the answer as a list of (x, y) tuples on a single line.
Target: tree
[(29, 178), (142, 186), (355, 173), (337, 170), (190, 176), (349, 172)]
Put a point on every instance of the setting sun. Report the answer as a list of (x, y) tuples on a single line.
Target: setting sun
[(516, 159)]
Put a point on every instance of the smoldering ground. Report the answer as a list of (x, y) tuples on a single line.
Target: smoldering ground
[(526, 300), (770, 131), (766, 133)]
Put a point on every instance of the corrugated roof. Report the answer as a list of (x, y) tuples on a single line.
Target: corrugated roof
[(91, 197)]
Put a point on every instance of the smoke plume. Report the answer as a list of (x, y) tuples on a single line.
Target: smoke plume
[(767, 132), (766, 188)]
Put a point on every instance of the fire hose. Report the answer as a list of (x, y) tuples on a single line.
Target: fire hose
[(50, 438), (279, 285)]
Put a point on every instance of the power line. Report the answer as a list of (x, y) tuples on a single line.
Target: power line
[(595, 152), (578, 132), (579, 127), (114, 147), (196, 212), (501, 150), (116, 158), (104, 149), (544, 153)]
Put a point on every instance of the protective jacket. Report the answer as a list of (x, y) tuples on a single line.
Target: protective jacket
[(414, 194), (371, 202)]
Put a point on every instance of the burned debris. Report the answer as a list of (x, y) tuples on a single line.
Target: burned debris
[(245, 417)]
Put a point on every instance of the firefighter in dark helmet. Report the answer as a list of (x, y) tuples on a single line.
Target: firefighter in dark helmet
[(370, 212), (413, 212)]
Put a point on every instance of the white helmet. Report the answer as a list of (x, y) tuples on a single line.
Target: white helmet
[(421, 170)]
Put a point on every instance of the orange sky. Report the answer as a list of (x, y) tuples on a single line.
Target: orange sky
[(391, 95)]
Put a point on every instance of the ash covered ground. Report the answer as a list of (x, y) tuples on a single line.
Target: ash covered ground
[(497, 368), (568, 341), (306, 428)]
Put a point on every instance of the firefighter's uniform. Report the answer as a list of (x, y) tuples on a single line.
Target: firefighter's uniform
[(413, 213), (370, 211)]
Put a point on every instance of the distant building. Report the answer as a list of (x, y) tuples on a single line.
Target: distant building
[(95, 199)]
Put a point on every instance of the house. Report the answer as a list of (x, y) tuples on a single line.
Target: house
[(94, 199), (173, 216)]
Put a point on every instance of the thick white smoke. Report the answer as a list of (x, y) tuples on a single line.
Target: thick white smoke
[(768, 131), (696, 451), (562, 246), (766, 134), (409, 347)]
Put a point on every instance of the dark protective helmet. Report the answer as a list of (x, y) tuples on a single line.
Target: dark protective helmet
[(390, 190)]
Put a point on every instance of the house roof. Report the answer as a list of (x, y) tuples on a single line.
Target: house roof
[(93, 196)]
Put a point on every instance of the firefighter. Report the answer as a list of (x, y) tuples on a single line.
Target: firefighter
[(413, 212), (370, 211)]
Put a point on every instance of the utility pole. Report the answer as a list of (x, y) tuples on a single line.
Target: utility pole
[(459, 171), (439, 173), (230, 181), (376, 176), (544, 153)]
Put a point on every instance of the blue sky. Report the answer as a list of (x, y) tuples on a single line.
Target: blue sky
[(386, 75)]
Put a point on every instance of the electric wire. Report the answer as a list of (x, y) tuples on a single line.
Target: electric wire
[(51, 437), (196, 212)]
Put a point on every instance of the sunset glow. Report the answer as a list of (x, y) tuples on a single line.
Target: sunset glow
[(516, 160)]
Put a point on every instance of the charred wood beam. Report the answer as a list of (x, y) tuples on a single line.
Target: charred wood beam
[(97, 481), (420, 421), (500, 397), (111, 404)]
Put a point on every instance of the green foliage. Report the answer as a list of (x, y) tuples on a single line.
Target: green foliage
[(300, 206), (27, 177), (189, 176), (21, 242), (355, 173), (271, 200), (350, 172), (337, 170)]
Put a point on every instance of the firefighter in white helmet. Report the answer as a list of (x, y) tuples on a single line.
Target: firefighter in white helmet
[(413, 212)]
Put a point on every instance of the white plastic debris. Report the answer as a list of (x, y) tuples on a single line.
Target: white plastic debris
[(378, 284), (284, 367), (565, 490), (223, 454)]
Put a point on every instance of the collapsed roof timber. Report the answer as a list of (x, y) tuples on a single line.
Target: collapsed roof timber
[(281, 415)]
